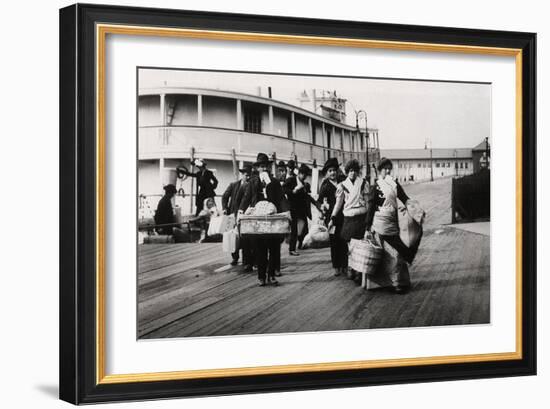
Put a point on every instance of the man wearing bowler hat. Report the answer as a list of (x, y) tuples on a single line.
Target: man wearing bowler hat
[(281, 171), (231, 199), (264, 186), (291, 165)]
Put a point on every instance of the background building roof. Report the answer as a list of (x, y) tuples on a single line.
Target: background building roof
[(425, 153), (481, 146)]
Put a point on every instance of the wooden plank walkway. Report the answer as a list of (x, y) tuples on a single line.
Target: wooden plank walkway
[(180, 294)]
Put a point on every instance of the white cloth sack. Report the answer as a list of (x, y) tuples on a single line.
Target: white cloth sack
[(230, 241), (317, 236), (221, 224)]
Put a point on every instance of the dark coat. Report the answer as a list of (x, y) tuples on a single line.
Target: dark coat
[(233, 195), (206, 185), (301, 201), (328, 191), (164, 215), (253, 193)]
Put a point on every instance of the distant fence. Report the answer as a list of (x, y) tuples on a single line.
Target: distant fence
[(471, 197)]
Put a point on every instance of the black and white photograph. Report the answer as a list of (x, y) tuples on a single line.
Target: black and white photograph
[(282, 203)]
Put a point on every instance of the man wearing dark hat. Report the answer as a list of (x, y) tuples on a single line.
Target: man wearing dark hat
[(285, 207), (291, 165), (206, 183), (281, 171), (164, 216), (263, 186), (231, 199), (297, 191)]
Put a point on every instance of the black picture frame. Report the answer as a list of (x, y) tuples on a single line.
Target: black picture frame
[(78, 197)]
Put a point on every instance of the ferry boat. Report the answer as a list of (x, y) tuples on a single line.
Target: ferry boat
[(227, 129)]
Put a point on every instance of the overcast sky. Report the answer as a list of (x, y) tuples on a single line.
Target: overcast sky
[(452, 115)]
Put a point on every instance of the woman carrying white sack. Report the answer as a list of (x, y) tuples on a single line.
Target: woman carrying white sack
[(383, 221)]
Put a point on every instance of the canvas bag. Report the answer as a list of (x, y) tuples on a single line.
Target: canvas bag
[(410, 219), (221, 224), (230, 242), (318, 236)]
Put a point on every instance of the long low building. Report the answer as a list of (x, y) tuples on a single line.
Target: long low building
[(413, 165)]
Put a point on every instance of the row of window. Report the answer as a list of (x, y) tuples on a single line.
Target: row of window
[(253, 124), (461, 165)]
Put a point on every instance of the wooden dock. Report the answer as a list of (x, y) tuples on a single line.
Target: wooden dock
[(189, 290)]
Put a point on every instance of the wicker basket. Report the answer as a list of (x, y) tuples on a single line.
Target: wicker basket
[(365, 255), (276, 225)]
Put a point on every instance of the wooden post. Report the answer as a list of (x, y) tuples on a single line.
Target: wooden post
[(274, 165), (192, 179), (161, 173), (315, 180), (235, 166)]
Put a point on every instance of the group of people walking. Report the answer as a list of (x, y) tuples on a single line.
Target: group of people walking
[(288, 191), (357, 210), (351, 208)]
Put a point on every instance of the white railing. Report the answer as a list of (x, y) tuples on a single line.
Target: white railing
[(218, 143)]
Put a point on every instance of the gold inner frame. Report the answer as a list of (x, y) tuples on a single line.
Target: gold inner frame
[(101, 33)]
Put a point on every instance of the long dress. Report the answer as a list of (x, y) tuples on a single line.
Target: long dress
[(383, 220), (338, 246)]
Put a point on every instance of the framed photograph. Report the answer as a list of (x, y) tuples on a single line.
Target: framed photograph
[(257, 203)]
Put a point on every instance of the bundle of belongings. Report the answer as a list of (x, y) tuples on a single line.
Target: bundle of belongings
[(221, 224), (317, 237), (410, 218), (392, 268)]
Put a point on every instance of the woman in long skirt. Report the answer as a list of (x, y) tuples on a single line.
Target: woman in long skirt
[(327, 201), (382, 220), (351, 200)]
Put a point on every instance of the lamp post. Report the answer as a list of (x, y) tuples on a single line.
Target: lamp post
[(456, 163), (357, 114), (431, 164), (431, 158)]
